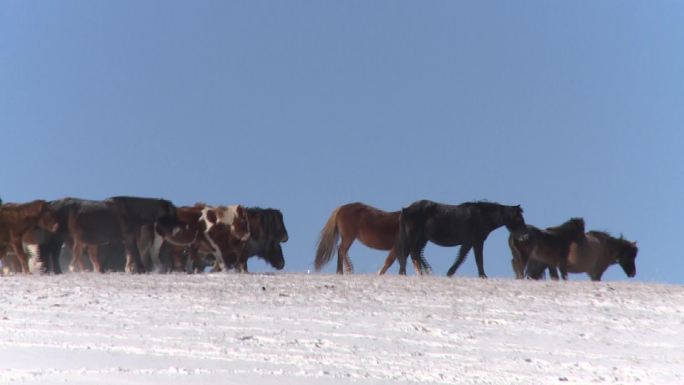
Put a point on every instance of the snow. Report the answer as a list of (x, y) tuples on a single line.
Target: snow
[(325, 329)]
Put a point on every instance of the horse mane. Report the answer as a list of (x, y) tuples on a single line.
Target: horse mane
[(268, 219), (576, 223), (619, 243)]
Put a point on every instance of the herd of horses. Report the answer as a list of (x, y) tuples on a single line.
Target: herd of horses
[(139, 235), (566, 248)]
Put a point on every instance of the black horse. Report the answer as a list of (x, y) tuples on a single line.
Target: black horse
[(267, 230), (467, 224), (549, 246)]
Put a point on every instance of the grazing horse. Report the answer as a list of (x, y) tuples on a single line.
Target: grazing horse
[(17, 221), (133, 213), (550, 246), (467, 224), (267, 232), (599, 253), (375, 228)]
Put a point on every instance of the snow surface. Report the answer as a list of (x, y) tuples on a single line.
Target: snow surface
[(325, 329)]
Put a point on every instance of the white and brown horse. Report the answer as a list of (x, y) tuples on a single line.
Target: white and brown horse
[(222, 231), (18, 221)]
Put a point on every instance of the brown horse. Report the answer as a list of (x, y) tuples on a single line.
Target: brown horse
[(375, 228), (599, 253), (550, 246), (17, 221)]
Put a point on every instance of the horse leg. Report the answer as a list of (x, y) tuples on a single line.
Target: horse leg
[(462, 252), (479, 258), (416, 259), (553, 273), (517, 268), (391, 257), (23, 260), (94, 259), (563, 267), (343, 257), (76, 253), (133, 260)]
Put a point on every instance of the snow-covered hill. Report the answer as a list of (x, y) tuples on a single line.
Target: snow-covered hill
[(322, 329)]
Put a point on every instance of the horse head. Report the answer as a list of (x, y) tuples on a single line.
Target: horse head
[(47, 217), (274, 255), (627, 257), (513, 217)]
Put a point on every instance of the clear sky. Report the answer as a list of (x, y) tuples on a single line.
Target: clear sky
[(569, 108)]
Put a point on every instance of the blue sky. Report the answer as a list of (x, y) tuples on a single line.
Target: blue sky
[(567, 108)]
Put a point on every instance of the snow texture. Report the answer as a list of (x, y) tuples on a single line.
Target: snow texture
[(324, 329)]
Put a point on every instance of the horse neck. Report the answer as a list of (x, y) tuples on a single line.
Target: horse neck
[(19, 215), (494, 217)]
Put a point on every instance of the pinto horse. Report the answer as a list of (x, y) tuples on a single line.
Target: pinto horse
[(375, 228), (550, 246), (222, 230), (18, 221), (467, 224), (599, 253), (267, 232)]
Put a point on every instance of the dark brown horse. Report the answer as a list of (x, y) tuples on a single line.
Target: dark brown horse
[(550, 246), (18, 220), (599, 253), (375, 228), (468, 224), (90, 224)]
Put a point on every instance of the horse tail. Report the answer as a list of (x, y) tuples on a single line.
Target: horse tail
[(402, 244), (327, 242)]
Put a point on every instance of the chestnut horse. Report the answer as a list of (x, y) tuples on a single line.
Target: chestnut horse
[(550, 246), (17, 221), (375, 228), (599, 253)]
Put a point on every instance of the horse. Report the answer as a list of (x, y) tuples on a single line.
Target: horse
[(467, 224), (133, 213), (549, 246), (222, 230), (17, 221), (375, 228), (268, 231), (599, 253)]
